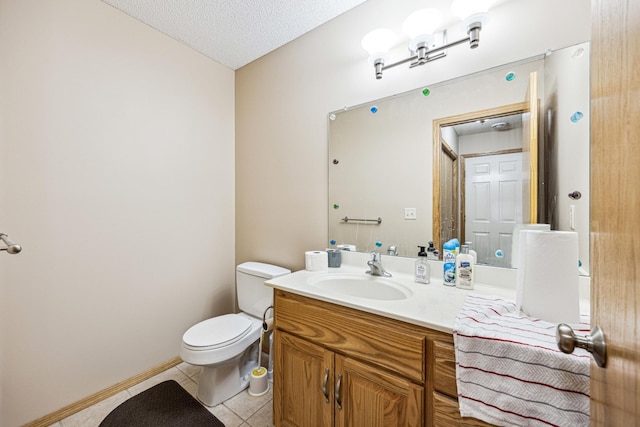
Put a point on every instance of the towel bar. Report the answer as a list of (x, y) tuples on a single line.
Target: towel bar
[(346, 219)]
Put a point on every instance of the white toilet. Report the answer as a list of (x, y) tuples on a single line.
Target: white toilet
[(227, 346)]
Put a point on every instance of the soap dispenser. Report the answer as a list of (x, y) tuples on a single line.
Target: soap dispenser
[(423, 269), (432, 252)]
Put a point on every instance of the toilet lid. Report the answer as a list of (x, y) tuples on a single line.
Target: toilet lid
[(218, 331)]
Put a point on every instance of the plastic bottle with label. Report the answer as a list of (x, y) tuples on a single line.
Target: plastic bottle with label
[(464, 269), (473, 253), (449, 253), (422, 267)]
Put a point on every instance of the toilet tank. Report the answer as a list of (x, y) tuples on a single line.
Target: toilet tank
[(253, 296)]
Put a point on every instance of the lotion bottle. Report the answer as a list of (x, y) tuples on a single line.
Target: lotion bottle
[(464, 269), (473, 253), (422, 268)]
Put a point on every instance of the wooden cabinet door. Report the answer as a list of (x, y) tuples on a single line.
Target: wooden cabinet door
[(370, 397), (302, 373)]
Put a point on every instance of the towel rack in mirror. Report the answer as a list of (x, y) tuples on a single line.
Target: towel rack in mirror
[(346, 219)]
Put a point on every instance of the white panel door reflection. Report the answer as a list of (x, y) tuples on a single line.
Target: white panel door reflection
[(493, 205)]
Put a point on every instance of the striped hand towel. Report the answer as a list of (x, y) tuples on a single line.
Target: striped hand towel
[(510, 372)]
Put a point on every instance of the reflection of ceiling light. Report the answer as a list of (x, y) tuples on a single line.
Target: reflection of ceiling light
[(421, 26), (499, 126)]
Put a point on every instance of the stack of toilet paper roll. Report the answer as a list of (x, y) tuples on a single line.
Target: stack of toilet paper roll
[(547, 279), (316, 261)]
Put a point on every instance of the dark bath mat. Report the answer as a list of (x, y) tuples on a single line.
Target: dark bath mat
[(164, 405)]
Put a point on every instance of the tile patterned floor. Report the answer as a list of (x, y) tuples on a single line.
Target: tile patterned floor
[(241, 410)]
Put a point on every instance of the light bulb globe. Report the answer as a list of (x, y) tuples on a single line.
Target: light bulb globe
[(464, 9), (422, 22), (379, 41)]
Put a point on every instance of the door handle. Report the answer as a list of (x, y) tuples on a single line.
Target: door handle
[(324, 385), (595, 343), (337, 394)]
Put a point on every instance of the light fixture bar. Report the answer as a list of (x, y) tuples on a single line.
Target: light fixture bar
[(424, 54)]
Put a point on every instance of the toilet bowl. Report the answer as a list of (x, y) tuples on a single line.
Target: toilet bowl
[(226, 346)]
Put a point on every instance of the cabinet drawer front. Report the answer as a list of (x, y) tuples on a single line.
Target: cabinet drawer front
[(395, 345), (444, 368), (447, 413)]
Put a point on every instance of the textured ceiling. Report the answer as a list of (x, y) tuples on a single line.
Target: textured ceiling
[(513, 121), (234, 32)]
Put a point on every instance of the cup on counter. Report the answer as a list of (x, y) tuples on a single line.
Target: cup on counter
[(335, 258)]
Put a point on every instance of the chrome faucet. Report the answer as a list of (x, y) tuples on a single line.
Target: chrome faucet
[(393, 250), (375, 265)]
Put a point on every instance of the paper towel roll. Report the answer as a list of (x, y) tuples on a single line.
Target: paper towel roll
[(316, 261), (515, 238), (547, 278)]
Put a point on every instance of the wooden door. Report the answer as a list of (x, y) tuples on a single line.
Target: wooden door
[(370, 397), (299, 393), (493, 204), (615, 209), (449, 191)]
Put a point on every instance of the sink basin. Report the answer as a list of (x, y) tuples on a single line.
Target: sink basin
[(362, 286)]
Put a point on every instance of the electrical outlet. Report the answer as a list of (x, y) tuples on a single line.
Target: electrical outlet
[(409, 213)]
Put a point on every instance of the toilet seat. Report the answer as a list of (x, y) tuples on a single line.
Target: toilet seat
[(217, 332)]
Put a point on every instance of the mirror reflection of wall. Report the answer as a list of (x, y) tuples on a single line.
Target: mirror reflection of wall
[(381, 153)]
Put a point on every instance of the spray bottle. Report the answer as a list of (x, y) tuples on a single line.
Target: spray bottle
[(449, 253)]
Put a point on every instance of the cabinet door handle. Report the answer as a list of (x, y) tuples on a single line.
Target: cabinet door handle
[(338, 386), (324, 385)]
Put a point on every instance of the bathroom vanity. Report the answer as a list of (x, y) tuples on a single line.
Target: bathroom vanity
[(345, 356), (340, 366)]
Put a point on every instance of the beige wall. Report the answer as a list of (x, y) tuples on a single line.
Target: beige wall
[(282, 101), (116, 176)]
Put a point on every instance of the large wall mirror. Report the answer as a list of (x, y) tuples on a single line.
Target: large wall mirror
[(409, 169)]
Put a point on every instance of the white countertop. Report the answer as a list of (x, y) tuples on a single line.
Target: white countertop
[(432, 305)]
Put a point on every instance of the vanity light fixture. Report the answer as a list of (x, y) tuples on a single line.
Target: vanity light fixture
[(421, 28)]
